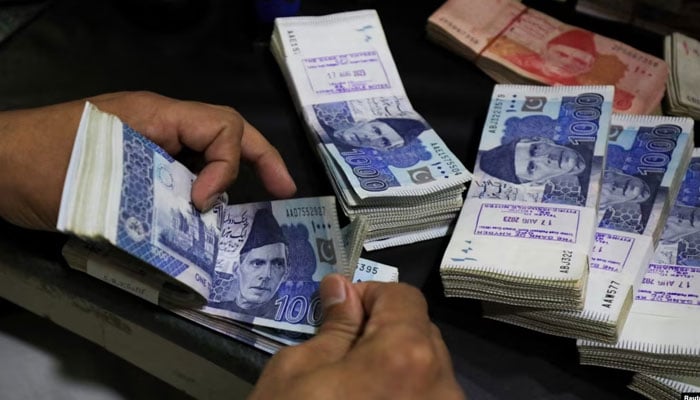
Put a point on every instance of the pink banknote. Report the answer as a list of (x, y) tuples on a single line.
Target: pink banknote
[(539, 48)]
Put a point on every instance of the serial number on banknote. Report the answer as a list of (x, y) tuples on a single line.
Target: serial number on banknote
[(297, 212), (565, 265)]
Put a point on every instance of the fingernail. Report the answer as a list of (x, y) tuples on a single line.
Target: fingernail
[(209, 204), (332, 291)]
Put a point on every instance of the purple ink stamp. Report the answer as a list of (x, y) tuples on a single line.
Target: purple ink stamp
[(346, 73), (611, 251), (537, 222), (674, 284)]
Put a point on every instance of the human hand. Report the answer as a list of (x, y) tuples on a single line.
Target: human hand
[(37, 143), (376, 342)]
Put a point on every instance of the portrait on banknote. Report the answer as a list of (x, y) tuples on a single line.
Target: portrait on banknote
[(262, 266), (271, 259), (536, 162), (382, 143), (568, 57), (638, 157), (680, 239), (380, 124), (257, 259)]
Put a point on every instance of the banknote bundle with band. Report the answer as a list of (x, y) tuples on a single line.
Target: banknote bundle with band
[(682, 53), (647, 157), (516, 44), (527, 226), (660, 334), (383, 159)]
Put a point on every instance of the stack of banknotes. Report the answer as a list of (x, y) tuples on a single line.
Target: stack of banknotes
[(516, 44), (259, 264), (682, 53), (527, 226), (383, 159), (647, 157), (664, 388), (660, 334)]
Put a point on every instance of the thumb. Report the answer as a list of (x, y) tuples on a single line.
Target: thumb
[(343, 320)]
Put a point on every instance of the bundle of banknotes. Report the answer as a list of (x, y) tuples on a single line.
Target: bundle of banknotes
[(682, 53), (516, 44), (258, 264), (664, 388), (647, 157), (383, 159), (660, 334), (527, 226)]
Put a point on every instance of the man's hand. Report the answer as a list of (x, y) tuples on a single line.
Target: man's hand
[(376, 342), (37, 143)]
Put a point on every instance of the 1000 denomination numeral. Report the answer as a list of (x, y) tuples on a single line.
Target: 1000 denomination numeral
[(586, 111), (362, 168), (298, 308), (662, 142)]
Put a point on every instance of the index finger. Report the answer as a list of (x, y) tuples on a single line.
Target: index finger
[(224, 140), (267, 161), (216, 132)]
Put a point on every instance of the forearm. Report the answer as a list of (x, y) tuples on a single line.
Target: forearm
[(36, 145)]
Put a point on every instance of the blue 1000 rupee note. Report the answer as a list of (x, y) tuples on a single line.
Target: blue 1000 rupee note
[(157, 221), (272, 257), (661, 329), (645, 162), (636, 183), (530, 211), (124, 189), (350, 94), (680, 240), (543, 146), (646, 159), (384, 148)]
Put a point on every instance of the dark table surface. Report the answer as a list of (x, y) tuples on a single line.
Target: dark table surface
[(214, 51)]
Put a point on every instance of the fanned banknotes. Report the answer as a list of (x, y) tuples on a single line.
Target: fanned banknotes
[(660, 334), (527, 226), (258, 263), (384, 160), (646, 161), (513, 43), (122, 190)]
